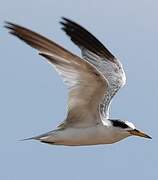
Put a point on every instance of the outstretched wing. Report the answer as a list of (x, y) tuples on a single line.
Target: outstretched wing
[(98, 55), (86, 84)]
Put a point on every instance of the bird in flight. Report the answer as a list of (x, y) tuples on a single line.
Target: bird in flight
[(92, 81)]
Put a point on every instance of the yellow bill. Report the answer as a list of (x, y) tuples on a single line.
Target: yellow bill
[(136, 132)]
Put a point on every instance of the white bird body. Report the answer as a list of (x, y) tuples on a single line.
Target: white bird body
[(99, 134), (92, 82)]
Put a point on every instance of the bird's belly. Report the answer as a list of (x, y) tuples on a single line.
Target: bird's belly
[(86, 136)]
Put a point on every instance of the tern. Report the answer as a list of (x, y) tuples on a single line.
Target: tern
[(92, 81)]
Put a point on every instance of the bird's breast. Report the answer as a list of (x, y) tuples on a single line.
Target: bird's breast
[(86, 136)]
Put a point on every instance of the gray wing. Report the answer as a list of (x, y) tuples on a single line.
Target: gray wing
[(97, 54), (85, 83)]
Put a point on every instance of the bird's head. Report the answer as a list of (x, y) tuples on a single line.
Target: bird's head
[(129, 128)]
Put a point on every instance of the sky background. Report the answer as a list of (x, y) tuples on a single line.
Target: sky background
[(33, 97)]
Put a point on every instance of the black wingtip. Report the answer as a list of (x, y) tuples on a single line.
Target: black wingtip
[(11, 27), (67, 22), (62, 20), (62, 23), (65, 19), (83, 38), (7, 25)]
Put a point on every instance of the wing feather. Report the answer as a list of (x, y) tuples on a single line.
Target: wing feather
[(81, 37), (86, 84), (98, 55)]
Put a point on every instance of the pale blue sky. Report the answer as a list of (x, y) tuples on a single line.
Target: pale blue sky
[(33, 98)]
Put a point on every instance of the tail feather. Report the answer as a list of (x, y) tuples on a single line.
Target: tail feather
[(42, 137)]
